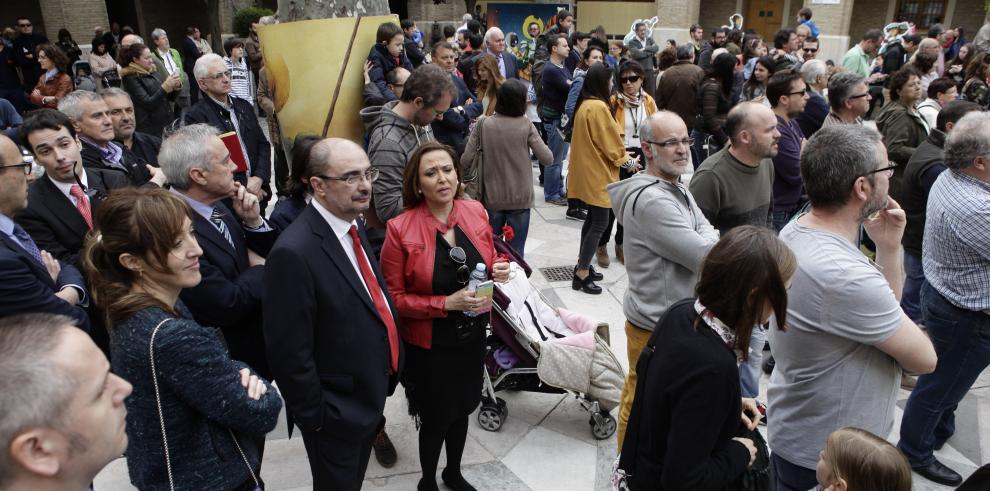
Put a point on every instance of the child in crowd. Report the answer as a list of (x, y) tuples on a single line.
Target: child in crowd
[(857, 460), (240, 75), (386, 55)]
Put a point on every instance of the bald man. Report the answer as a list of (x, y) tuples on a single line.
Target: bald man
[(33, 281), (735, 187), (330, 327), (495, 44), (666, 238)]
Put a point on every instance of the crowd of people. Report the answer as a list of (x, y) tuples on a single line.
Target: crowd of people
[(143, 269)]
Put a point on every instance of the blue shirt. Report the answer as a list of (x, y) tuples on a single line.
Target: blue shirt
[(206, 211), (787, 182), (955, 251)]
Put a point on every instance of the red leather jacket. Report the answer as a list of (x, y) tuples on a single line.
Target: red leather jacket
[(407, 262)]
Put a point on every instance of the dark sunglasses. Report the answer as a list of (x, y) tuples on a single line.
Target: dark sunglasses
[(458, 255), (631, 80), (810, 50), (24, 25)]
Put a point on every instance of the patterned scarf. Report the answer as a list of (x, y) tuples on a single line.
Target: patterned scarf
[(719, 327)]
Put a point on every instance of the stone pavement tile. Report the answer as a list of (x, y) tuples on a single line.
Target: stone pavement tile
[(492, 476), (286, 465), (607, 452), (549, 461), (499, 443), (529, 407), (406, 440), (570, 419)]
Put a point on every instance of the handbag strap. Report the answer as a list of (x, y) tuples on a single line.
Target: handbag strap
[(161, 417)]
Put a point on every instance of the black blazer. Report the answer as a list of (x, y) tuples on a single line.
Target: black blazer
[(136, 172), (258, 149), (144, 148), (52, 220), (190, 53), (231, 291), (27, 286), (326, 343)]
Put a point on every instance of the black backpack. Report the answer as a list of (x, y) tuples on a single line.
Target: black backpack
[(536, 77)]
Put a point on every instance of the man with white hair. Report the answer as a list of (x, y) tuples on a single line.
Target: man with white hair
[(815, 75), (230, 114), (168, 62), (62, 409), (956, 297), (234, 240), (508, 65)]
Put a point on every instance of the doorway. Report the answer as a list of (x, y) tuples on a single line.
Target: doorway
[(764, 17)]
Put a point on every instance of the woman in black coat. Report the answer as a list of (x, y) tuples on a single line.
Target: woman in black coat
[(153, 97), (196, 418), (685, 418)]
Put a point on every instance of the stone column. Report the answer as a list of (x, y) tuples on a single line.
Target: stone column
[(78, 16), (676, 16), (833, 20)]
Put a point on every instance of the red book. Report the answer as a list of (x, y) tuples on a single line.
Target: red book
[(237, 156)]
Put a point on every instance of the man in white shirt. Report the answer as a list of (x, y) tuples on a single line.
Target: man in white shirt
[(170, 62)]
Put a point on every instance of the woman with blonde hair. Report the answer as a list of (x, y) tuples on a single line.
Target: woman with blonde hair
[(489, 79)]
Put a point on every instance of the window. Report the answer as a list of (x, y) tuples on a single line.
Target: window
[(924, 13)]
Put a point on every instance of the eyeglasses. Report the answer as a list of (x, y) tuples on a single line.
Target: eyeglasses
[(800, 92), (371, 175), (889, 170), (458, 255), (810, 50), (865, 94), (219, 75), (26, 167), (629, 80), (668, 144), (24, 25)]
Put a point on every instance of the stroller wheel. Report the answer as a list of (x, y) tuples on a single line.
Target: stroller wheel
[(492, 415), (602, 425)]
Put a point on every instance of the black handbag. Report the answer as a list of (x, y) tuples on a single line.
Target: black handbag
[(757, 476)]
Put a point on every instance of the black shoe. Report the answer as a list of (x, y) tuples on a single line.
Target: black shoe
[(937, 472), (384, 450), (768, 364), (576, 214), (595, 275), (454, 480), (427, 484), (587, 285)]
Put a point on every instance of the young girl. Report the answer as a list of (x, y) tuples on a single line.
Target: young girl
[(857, 460), (240, 80)]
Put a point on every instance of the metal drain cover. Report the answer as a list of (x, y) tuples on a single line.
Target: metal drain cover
[(558, 273)]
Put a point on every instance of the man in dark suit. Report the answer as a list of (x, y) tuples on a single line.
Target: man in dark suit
[(190, 53), (142, 146), (62, 203), (25, 52), (330, 326), (508, 65), (91, 118), (453, 128), (234, 240), (216, 108), (33, 281)]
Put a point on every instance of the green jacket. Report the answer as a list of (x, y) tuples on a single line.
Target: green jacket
[(183, 99), (903, 130)]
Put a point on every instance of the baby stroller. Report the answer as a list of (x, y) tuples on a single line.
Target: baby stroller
[(538, 348)]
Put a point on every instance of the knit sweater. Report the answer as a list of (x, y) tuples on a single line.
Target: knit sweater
[(507, 170), (201, 397)]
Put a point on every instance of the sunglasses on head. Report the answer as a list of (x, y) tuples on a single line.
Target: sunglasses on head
[(631, 79)]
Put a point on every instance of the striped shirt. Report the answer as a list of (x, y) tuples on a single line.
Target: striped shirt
[(955, 252), (240, 79)]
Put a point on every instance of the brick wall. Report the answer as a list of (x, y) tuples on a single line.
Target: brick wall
[(78, 16), (866, 15)]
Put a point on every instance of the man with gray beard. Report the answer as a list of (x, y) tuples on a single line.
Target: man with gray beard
[(846, 341), (666, 237)]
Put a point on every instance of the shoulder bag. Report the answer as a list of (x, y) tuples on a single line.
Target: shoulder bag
[(161, 418), (474, 180)]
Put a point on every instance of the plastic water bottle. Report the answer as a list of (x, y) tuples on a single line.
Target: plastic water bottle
[(478, 276)]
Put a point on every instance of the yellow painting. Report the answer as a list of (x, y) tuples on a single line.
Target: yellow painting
[(316, 70)]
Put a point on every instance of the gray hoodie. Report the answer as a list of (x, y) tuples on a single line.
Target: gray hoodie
[(666, 238), (391, 141)]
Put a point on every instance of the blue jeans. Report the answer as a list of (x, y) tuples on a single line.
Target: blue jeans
[(962, 343), (698, 151), (915, 278), (518, 220), (553, 180), (791, 477), (750, 370)]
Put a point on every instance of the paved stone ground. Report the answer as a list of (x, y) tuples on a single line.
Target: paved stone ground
[(546, 443)]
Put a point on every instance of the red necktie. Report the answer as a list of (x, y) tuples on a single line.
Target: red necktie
[(378, 298), (82, 204)]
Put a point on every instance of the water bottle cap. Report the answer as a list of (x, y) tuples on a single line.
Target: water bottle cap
[(479, 267)]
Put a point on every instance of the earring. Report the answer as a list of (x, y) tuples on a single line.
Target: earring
[(419, 191)]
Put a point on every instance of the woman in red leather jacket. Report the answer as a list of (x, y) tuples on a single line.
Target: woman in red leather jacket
[(429, 253)]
